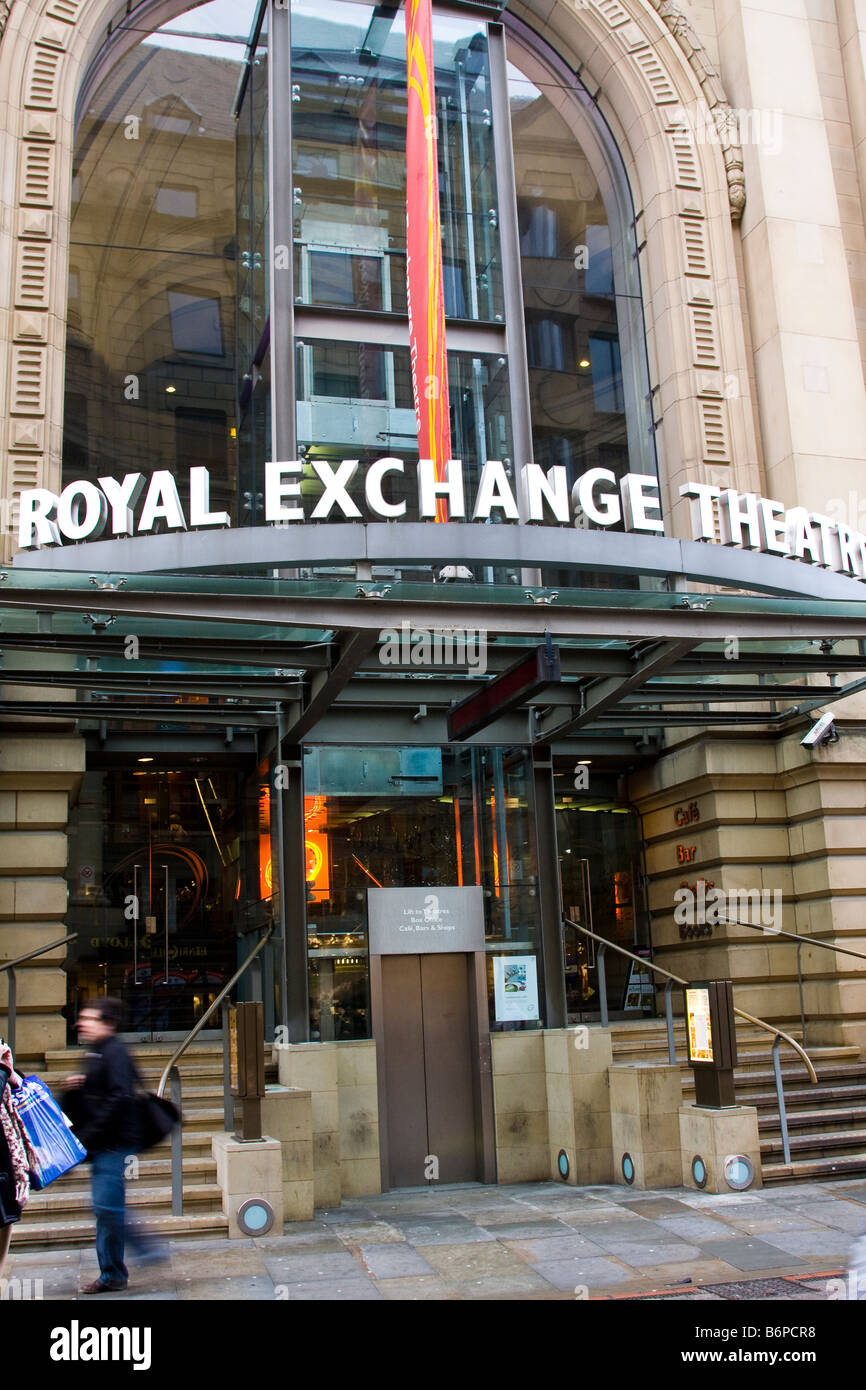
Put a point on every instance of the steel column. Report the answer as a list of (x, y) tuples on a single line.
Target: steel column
[(549, 892), (293, 893), (281, 248)]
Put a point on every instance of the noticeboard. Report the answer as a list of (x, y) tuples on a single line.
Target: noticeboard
[(698, 1027), (410, 921)]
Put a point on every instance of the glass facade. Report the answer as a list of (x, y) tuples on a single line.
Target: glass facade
[(175, 305), (151, 334)]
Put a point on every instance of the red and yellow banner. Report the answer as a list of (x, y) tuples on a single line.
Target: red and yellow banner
[(424, 248)]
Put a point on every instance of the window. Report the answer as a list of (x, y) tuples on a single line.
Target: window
[(176, 202), (606, 373), (195, 323)]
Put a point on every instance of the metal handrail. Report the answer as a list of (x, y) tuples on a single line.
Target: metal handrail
[(196, 1029), (172, 1075), (40, 951), (800, 939), (12, 1003), (778, 1034)]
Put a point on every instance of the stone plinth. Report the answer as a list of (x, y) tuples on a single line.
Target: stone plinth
[(248, 1170), (715, 1136), (645, 1101), (287, 1115)]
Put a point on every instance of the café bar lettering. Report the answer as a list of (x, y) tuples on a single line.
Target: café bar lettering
[(84, 511)]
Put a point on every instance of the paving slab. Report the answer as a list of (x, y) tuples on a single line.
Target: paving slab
[(694, 1228), (590, 1273), (446, 1233), (653, 1207), (303, 1268), (429, 1289), (392, 1261), (749, 1254), (343, 1291), (824, 1243), (259, 1290), (536, 1250)]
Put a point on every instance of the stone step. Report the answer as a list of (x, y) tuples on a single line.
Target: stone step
[(802, 1099), (152, 1172), (828, 1119), (820, 1144), (794, 1075), (798, 1170), (57, 1234), (57, 1202)]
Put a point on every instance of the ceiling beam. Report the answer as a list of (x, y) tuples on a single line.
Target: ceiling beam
[(327, 685), (602, 696)]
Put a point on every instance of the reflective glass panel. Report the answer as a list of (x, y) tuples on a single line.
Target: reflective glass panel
[(150, 375), (569, 291), (349, 133)]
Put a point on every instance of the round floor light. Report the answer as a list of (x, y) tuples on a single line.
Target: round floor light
[(628, 1168), (256, 1217), (739, 1172), (699, 1171), (563, 1164)]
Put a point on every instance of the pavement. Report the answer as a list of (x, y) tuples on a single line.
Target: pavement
[(534, 1241)]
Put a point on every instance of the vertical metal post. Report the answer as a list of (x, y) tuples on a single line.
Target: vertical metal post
[(602, 984), (228, 1103), (165, 866), (512, 283), (281, 250), (277, 802), (13, 1002), (800, 988), (543, 807), (293, 895), (780, 1096), (135, 904), (669, 1019), (176, 1147), (500, 839)]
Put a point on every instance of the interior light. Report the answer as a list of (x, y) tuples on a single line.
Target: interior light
[(170, 390), (145, 760), (584, 362), (233, 434)]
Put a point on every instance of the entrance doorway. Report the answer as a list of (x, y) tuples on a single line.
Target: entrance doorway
[(164, 872), (431, 1128)]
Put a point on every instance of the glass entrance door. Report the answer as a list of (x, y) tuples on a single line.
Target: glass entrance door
[(162, 857)]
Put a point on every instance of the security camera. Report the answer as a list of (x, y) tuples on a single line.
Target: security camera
[(822, 731)]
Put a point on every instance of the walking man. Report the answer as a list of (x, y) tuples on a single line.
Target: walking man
[(101, 1105)]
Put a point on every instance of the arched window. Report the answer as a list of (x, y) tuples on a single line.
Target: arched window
[(178, 323)]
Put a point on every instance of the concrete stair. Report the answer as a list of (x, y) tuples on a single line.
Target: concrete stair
[(826, 1123), (62, 1215)]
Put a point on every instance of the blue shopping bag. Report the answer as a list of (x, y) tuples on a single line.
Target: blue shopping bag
[(55, 1147)]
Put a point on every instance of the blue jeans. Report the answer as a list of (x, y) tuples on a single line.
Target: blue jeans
[(109, 1206)]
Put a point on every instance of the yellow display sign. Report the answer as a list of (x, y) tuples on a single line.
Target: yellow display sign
[(698, 1025), (233, 1048)]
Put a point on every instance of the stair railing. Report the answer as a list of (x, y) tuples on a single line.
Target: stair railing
[(779, 1036), (171, 1073), (9, 965), (800, 940)]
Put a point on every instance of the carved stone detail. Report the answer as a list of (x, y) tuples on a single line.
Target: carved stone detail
[(714, 95)]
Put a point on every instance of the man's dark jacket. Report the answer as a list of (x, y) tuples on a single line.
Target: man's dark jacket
[(103, 1110)]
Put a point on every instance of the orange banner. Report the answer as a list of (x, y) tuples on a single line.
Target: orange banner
[(424, 249)]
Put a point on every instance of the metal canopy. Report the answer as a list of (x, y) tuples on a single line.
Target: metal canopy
[(457, 543), (308, 657)]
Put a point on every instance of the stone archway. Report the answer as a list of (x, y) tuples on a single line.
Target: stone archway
[(651, 79)]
